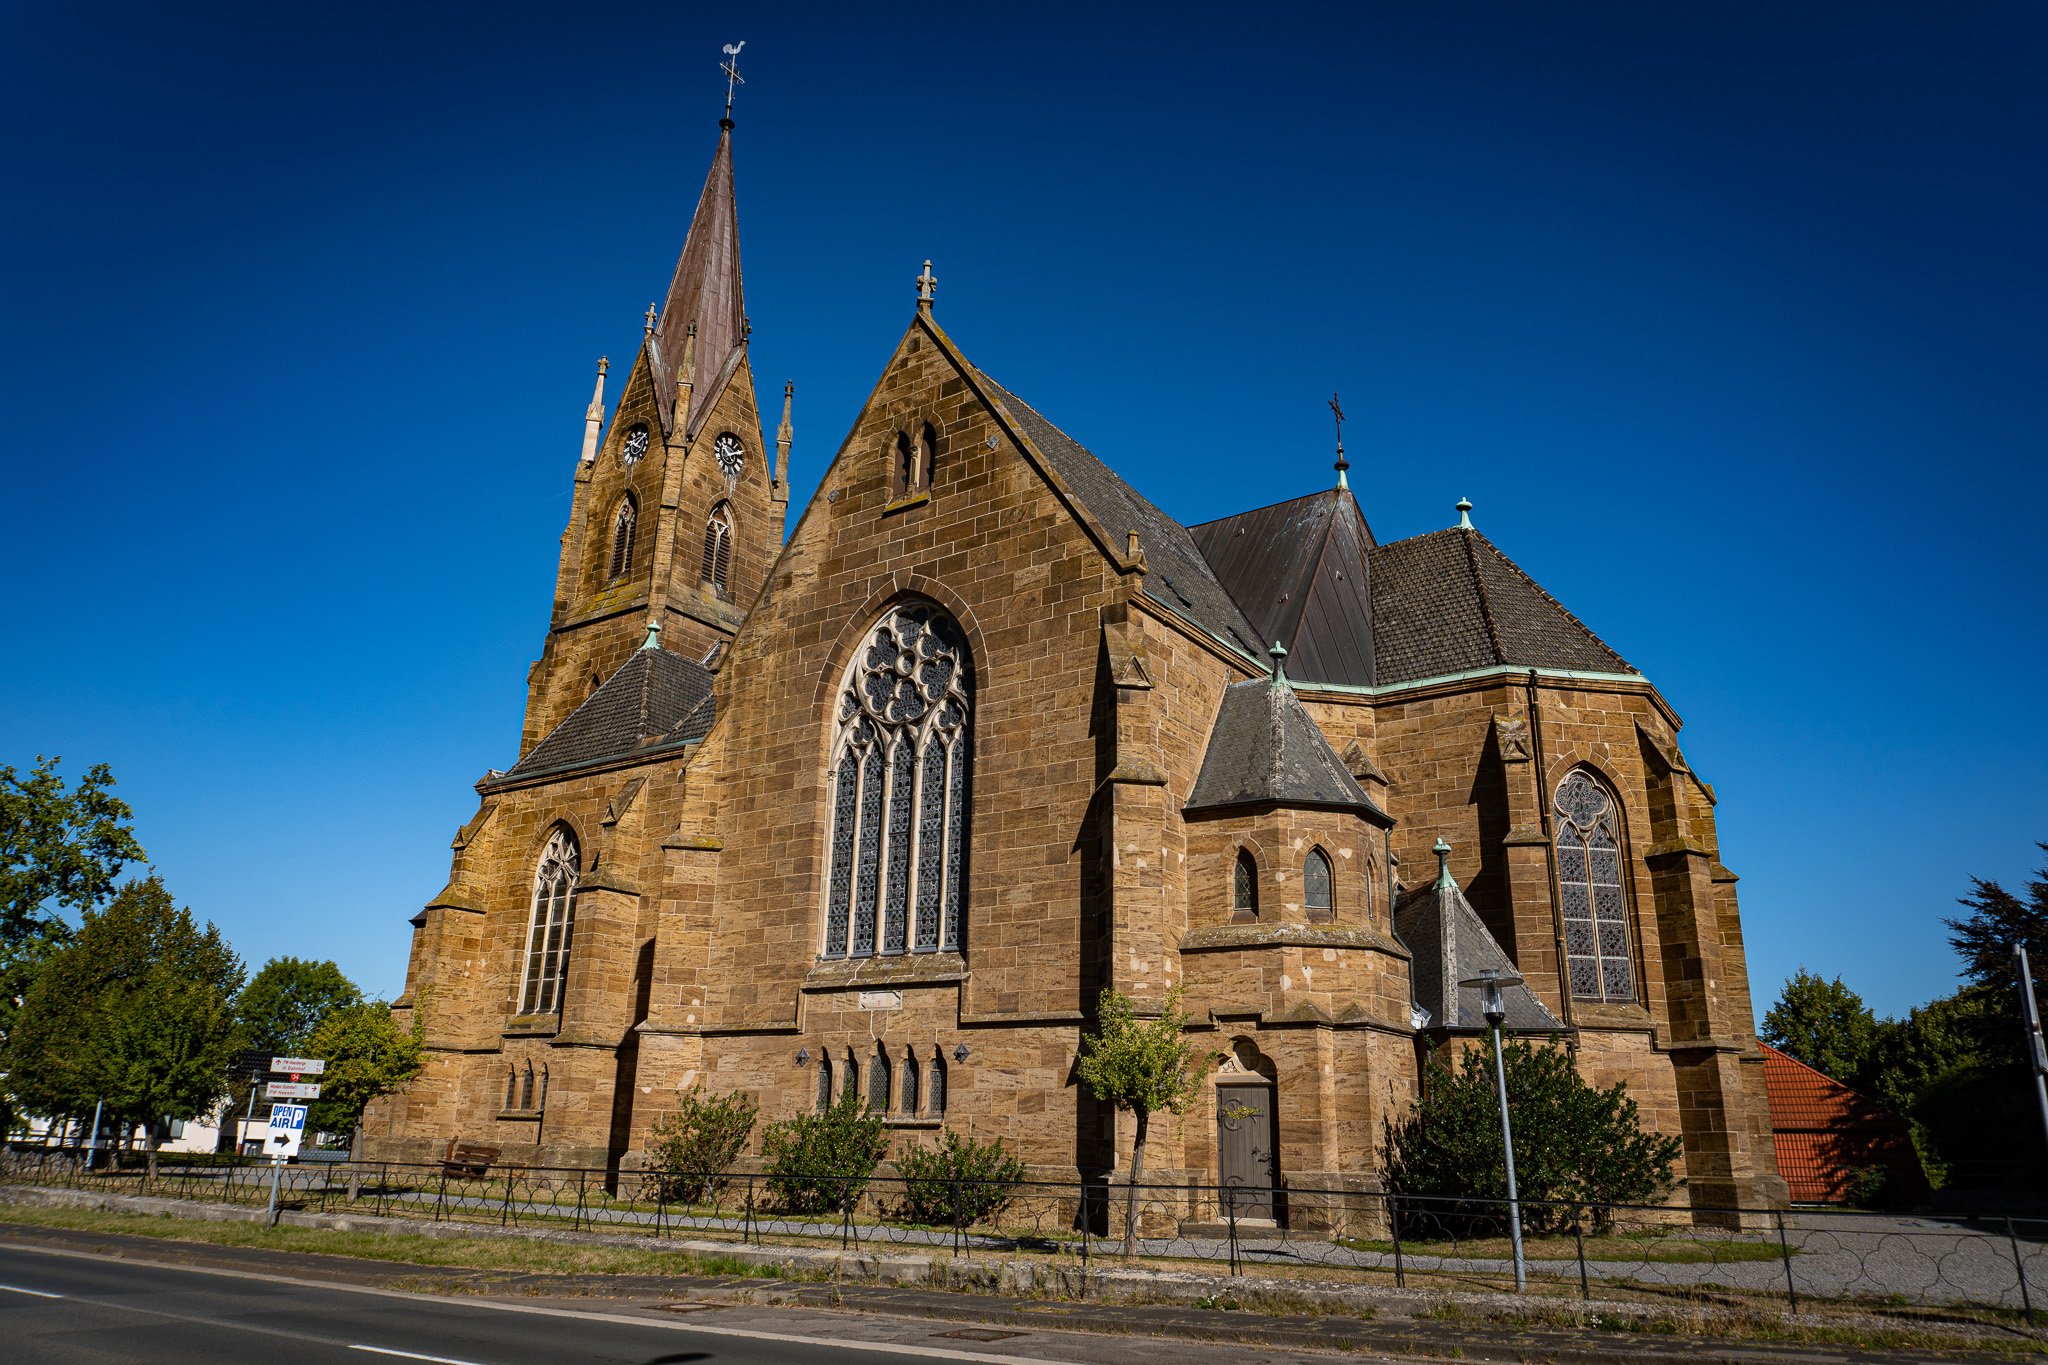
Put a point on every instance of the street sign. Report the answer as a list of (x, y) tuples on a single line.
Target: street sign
[(287, 1127), (291, 1090), (302, 1066)]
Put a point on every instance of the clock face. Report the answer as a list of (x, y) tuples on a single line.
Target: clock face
[(634, 446), (731, 454)]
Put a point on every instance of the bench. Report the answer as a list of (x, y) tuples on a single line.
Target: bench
[(470, 1159)]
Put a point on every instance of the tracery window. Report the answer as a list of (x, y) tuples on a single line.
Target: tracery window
[(623, 526), (1244, 888), (1595, 908), (896, 878), (718, 548), (1315, 884), (554, 915)]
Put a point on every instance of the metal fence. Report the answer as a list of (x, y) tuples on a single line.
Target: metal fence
[(1769, 1259)]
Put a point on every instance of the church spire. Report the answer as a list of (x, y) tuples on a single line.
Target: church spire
[(705, 290)]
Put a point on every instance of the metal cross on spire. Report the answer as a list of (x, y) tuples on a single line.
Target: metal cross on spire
[(1342, 463), (731, 68)]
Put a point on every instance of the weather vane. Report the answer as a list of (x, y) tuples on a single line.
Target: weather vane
[(731, 68), (1342, 463)]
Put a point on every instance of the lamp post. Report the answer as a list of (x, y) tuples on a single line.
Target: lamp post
[(2037, 1053), (1489, 982)]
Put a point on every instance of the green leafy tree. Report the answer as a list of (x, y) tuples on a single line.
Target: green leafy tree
[(285, 1001), (1573, 1143), (367, 1054), (1146, 1066), (692, 1149), (1824, 1024), (823, 1161), (1997, 920), (136, 1012), (958, 1178)]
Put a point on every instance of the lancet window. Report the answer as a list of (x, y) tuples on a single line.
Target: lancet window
[(718, 549), (935, 1106), (878, 1081), (624, 523), (554, 915), (824, 1082), (909, 1087), (1315, 885), (1244, 887), (898, 785), (1596, 937)]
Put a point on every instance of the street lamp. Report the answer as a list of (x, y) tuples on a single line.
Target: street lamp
[(1489, 983)]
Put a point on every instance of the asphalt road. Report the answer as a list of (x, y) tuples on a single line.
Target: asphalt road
[(62, 1308)]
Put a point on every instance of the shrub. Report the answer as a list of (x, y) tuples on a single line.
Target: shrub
[(692, 1149), (817, 1162), (959, 1178), (1573, 1143)]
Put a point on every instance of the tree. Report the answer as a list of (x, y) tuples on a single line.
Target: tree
[(367, 1054), (284, 1002), (1573, 1143), (1147, 1066), (135, 1013), (58, 848), (1998, 919), (1824, 1024)]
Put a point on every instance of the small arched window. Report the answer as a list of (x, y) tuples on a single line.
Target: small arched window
[(903, 466), (526, 1089), (927, 455), (849, 1086), (1315, 885), (935, 1106), (511, 1086), (824, 1081), (718, 549), (878, 1081), (1596, 940), (1244, 887), (541, 1101), (909, 1088), (554, 916), (624, 524)]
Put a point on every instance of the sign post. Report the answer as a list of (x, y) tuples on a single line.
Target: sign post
[(287, 1128)]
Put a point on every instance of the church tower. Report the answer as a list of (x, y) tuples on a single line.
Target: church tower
[(678, 512)]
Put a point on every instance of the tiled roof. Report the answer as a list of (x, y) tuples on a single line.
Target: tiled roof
[(1826, 1133), (1299, 571), (1265, 748), (1449, 943), (657, 696)]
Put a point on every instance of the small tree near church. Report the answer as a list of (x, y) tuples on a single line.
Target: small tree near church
[(1145, 1066)]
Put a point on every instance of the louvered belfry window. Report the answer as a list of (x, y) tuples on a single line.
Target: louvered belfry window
[(554, 916), (898, 791), (1596, 938), (718, 549), (623, 527)]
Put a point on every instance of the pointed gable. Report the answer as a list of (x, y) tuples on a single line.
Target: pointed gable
[(1265, 749), (643, 704), (705, 290), (1299, 570), (1449, 943)]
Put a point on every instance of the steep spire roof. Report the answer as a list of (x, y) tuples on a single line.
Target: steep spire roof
[(705, 290), (1299, 569), (1266, 749)]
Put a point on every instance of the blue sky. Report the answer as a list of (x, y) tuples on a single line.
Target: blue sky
[(1728, 318)]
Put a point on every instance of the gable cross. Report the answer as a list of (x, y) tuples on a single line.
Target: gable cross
[(926, 284)]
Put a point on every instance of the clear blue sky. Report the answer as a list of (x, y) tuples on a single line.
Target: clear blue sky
[(1728, 317)]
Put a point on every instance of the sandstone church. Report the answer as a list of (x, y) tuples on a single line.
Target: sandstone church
[(884, 806)]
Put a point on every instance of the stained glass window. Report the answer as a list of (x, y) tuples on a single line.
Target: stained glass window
[(1595, 908), (895, 881), (623, 526), (547, 935), (1315, 884), (1244, 891)]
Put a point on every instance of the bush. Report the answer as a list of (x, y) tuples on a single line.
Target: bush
[(816, 1162), (1573, 1144), (692, 1149), (959, 1178)]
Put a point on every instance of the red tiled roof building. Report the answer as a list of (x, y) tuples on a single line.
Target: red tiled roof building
[(1827, 1133)]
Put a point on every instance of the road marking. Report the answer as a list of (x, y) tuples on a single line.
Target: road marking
[(17, 1289), (410, 1355)]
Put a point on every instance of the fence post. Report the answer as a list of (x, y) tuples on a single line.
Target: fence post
[(505, 1213), (748, 1232), (1785, 1251), (956, 1216), (1394, 1224), (441, 1199), (1230, 1215), (581, 1176), (383, 1183), (1579, 1236), (2019, 1266)]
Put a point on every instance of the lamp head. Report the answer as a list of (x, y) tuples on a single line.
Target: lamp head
[(1490, 983)]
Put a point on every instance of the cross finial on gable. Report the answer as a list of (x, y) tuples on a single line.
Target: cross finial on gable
[(648, 330), (927, 284), (1342, 463)]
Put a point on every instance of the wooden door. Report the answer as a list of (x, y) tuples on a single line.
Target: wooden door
[(1244, 1143)]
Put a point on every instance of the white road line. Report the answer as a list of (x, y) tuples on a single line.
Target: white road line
[(410, 1355), (17, 1289)]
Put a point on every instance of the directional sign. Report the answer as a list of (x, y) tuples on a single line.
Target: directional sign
[(291, 1090), (287, 1127), (299, 1066)]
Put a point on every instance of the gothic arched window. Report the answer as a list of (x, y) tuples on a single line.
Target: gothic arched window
[(935, 1105), (896, 878), (624, 523), (511, 1086), (1315, 885), (824, 1081), (526, 1089), (554, 915), (542, 1102), (718, 548), (909, 1088), (878, 1081), (1589, 886), (927, 455), (902, 467), (850, 1082), (1244, 886)]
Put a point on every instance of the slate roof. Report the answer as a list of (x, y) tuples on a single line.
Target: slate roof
[(1825, 1131), (1299, 570), (1177, 576), (1449, 943), (657, 697), (1265, 748), (1449, 601), (705, 290)]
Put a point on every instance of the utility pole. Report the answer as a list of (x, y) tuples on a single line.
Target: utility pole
[(2037, 1053)]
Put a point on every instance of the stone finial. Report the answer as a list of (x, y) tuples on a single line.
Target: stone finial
[(784, 435), (1278, 654), (653, 640), (927, 285), (1442, 851), (593, 416), (1465, 514), (647, 328)]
